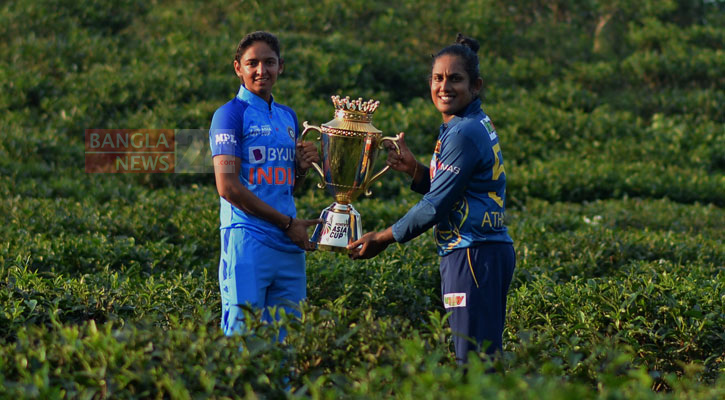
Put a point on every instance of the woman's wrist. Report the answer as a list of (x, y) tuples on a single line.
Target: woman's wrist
[(299, 171), (415, 170), (287, 225)]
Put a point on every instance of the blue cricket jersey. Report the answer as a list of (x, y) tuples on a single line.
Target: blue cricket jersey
[(263, 136), (466, 193)]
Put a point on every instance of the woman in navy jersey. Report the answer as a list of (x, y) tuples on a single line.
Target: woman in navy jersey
[(464, 193), (258, 163)]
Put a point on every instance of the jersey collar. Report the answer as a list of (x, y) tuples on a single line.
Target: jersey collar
[(255, 101), (472, 108)]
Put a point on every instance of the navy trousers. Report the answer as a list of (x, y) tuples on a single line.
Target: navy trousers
[(474, 284)]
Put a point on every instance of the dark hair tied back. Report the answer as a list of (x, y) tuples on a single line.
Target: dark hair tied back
[(466, 48), (469, 42)]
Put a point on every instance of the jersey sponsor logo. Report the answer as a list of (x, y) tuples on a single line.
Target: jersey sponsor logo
[(256, 130), (257, 154), (438, 166), (224, 138), (262, 154), (454, 300), (442, 167), (280, 154), (488, 124)]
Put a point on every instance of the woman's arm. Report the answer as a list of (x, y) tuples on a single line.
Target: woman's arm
[(226, 172)]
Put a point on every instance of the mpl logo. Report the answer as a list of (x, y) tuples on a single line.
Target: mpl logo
[(257, 154), (453, 300), (224, 138)]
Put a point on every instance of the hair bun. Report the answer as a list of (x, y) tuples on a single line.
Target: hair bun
[(469, 42)]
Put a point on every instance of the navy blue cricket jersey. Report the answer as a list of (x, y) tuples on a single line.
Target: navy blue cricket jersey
[(465, 197)]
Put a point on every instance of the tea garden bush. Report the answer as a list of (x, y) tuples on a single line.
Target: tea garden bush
[(614, 140)]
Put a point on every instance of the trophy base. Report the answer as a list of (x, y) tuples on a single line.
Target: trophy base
[(340, 227)]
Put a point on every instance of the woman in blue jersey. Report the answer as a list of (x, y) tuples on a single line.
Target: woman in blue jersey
[(258, 163), (464, 192)]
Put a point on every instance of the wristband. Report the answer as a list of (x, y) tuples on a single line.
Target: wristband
[(297, 175), (286, 228)]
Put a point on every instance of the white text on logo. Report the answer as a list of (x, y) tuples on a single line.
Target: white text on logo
[(225, 138)]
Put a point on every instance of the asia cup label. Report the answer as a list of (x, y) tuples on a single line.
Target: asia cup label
[(335, 231), (453, 300)]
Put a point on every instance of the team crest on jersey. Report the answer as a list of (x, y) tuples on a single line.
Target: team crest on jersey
[(453, 300), (291, 132)]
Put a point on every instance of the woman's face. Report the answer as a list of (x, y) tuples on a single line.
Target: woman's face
[(258, 69), (450, 86)]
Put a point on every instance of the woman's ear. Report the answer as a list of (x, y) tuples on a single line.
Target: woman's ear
[(238, 68), (476, 87)]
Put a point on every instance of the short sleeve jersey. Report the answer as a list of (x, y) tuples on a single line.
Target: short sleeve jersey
[(263, 136), (467, 189)]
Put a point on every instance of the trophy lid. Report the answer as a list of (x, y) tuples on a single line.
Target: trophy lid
[(353, 115)]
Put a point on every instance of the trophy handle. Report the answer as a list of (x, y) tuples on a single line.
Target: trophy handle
[(385, 169), (308, 128)]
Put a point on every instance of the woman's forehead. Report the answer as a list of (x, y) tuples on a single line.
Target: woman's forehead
[(448, 64), (259, 50)]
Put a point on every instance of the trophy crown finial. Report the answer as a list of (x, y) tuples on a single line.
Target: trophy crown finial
[(366, 107)]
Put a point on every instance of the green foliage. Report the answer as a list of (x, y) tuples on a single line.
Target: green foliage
[(613, 134)]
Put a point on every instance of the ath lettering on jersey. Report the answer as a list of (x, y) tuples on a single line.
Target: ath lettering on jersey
[(493, 219)]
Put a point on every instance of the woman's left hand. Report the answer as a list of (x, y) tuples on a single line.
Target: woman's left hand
[(306, 154), (405, 160)]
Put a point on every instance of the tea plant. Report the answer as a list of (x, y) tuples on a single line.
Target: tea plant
[(613, 136)]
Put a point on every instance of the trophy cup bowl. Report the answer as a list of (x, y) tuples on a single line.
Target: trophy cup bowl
[(348, 146)]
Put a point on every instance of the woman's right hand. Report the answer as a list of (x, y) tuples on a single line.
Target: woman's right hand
[(297, 232), (403, 162)]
